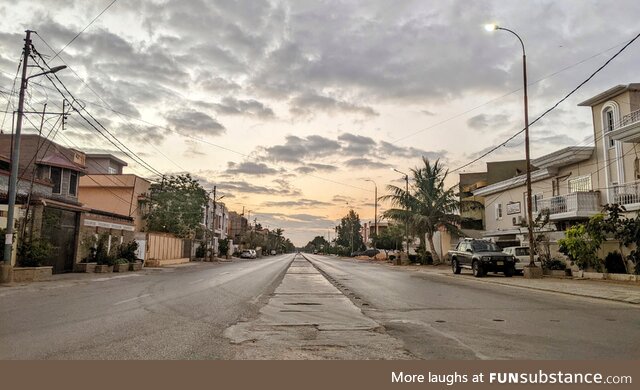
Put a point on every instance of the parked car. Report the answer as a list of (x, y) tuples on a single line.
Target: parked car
[(273, 252), (370, 252), (521, 254), (481, 256), (248, 254)]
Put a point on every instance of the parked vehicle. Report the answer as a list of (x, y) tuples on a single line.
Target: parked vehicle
[(248, 254), (370, 252), (521, 254), (273, 252), (481, 256)]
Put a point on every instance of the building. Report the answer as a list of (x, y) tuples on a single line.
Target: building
[(572, 184), (48, 201), (104, 187), (238, 226), (216, 223), (472, 206)]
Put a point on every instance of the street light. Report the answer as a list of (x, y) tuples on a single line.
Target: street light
[(532, 265), (15, 153), (406, 223), (375, 208)]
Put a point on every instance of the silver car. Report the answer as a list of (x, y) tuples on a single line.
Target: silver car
[(521, 253)]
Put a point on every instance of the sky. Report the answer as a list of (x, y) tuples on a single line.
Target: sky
[(289, 107)]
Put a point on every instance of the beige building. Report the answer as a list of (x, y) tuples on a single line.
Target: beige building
[(572, 184), (118, 193)]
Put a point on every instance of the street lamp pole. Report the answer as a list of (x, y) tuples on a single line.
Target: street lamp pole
[(375, 207), (492, 27), (15, 153), (406, 223)]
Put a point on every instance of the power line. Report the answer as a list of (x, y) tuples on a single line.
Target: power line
[(83, 30)]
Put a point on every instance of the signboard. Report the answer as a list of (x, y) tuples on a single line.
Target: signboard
[(513, 208), (107, 225)]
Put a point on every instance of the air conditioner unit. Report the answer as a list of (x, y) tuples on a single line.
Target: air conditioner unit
[(518, 221)]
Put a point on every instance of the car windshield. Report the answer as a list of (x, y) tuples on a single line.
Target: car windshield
[(522, 251), (485, 246)]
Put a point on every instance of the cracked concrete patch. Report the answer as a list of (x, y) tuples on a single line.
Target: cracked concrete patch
[(309, 318)]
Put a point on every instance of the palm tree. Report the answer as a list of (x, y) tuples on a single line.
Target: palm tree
[(428, 204)]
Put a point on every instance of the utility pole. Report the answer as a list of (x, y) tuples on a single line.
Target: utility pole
[(15, 157), (206, 227)]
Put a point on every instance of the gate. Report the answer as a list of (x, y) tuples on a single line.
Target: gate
[(59, 228)]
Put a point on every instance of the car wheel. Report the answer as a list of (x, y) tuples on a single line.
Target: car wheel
[(509, 271), (455, 266), (476, 267)]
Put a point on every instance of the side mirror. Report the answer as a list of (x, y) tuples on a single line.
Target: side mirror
[(469, 250)]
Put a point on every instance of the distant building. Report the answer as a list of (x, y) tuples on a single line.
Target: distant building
[(238, 226)]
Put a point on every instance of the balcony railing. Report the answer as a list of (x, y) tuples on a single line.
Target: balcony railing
[(577, 204), (625, 194), (630, 118)]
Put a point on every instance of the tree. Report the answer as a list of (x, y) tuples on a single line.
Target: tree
[(176, 205), (427, 205), (348, 232), (389, 238), (318, 243)]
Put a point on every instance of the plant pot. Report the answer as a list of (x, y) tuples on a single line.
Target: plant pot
[(31, 274), (135, 266), (121, 267), (84, 267), (103, 268)]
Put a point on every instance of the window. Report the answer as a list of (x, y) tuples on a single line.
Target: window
[(55, 175), (73, 183), (112, 170), (582, 184), (609, 124), (535, 199), (499, 211)]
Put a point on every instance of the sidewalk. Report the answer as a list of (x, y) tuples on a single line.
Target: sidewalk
[(627, 292)]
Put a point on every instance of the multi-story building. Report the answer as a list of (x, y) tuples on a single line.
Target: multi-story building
[(572, 184), (238, 226), (104, 187)]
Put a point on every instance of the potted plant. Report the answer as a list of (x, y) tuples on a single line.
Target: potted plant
[(223, 248), (31, 255), (88, 263), (127, 251), (121, 265), (102, 258)]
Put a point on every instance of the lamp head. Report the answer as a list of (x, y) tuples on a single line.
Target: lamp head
[(58, 68), (491, 27)]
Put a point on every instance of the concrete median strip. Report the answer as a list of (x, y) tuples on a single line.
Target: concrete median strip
[(308, 318)]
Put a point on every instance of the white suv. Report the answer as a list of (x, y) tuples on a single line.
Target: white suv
[(521, 253)]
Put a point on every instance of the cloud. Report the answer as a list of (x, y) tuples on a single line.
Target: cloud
[(311, 103), (297, 149), (484, 121), (250, 168), (313, 167), (366, 163), (250, 107), (194, 122), (299, 203)]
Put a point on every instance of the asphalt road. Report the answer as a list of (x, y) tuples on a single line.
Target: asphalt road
[(170, 313), (442, 317)]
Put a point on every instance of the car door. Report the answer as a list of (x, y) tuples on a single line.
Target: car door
[(465, 255)]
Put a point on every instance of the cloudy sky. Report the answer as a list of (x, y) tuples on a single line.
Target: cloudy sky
[(290, 106)]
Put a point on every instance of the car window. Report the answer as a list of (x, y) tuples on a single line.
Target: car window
[(522, 251), (485, 246)]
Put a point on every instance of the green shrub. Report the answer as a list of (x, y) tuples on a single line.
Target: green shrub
[(614, 264), (581, 246), (121, 261), (127, 251), (223, 246), (34, 253), (201, 251), (555, 264)]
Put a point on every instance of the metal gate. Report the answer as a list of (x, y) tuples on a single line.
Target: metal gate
[(59, 228)]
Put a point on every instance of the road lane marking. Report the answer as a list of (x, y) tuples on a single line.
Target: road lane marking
[(197, 281), (132, 299), (115, 277), (225, 273)]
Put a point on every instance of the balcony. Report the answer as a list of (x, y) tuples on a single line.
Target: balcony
[(577, 205), (627, 194), (628, 130)]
